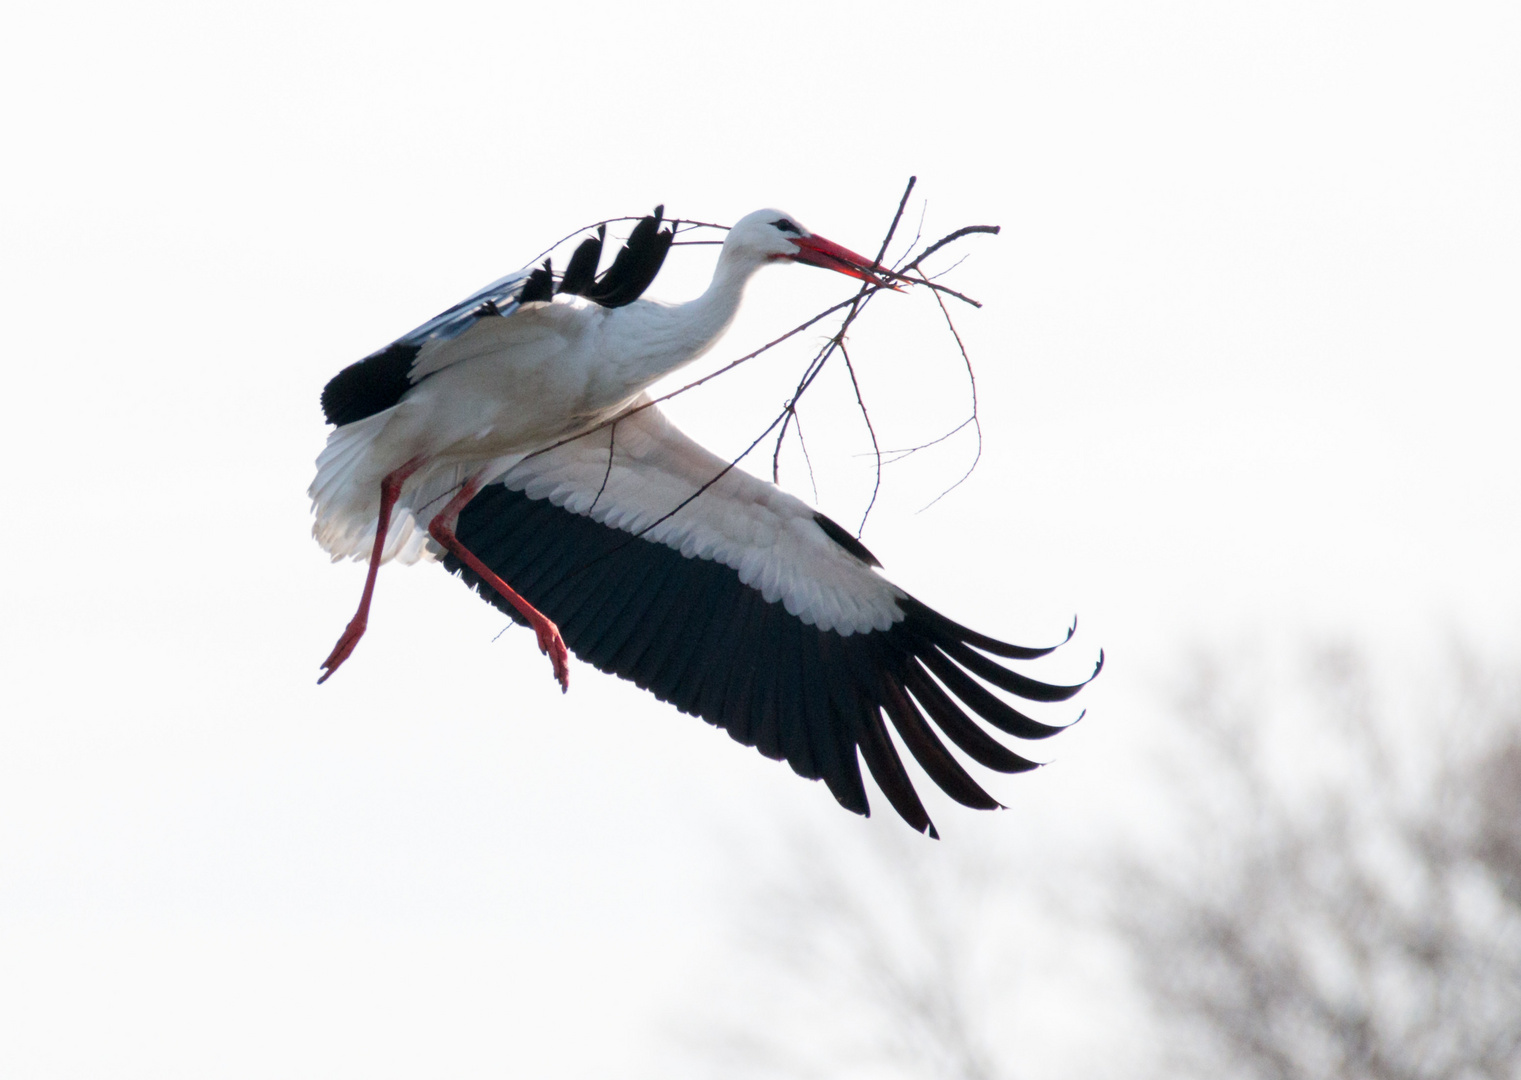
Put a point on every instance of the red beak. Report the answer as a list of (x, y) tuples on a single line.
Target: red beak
[(816, 251)]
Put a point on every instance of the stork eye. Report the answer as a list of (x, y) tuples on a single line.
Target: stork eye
[(787, 226)]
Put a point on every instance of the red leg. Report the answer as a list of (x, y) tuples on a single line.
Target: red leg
[(550, 643), (390, 491)]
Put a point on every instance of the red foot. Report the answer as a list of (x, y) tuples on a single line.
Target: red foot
[(552, 645), (390, 491), (341, 651), (441, 528)]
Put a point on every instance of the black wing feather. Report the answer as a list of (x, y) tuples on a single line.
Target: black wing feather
[(380, 380), (978, 744), (540, 285), (581, 271), (369, 386), (635, 266), (930, 752), (696, 636)]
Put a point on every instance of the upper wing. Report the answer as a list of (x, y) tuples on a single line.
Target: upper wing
[(381, 379), (745, 607), (378, 381)]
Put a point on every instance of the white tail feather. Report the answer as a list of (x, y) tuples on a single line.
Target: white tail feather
[(346, 496)]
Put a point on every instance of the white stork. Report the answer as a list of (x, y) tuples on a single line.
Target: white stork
[(511, 437)]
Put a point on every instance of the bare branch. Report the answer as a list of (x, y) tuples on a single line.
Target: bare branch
[(612, 435), (875, 448), (976, 423), (901, 453), (947, 239), (807, 460)]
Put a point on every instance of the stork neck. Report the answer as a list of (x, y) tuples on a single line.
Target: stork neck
[(673, 336)]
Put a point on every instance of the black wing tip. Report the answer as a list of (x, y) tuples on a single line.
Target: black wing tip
[(914, 607), (867, 684), (581, 272), (540, 286), (841, 536), (369, 386), (635, 266), (1057, 730)]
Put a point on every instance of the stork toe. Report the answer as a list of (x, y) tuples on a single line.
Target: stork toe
[(551, 644)]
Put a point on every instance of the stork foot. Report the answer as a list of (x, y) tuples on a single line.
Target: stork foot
[(346, 642), (552, 645)]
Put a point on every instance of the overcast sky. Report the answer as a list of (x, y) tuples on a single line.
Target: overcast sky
[(1247, 364)]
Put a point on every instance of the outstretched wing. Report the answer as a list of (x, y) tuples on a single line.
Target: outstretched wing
[(738, 603), (381, 379)]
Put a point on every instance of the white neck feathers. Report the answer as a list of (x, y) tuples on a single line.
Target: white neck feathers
[(656, 339)]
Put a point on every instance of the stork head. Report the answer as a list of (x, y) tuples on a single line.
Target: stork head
[(769, 235)]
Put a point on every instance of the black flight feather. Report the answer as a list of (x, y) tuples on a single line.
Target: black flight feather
[(381, 379), (581, 273), (540, 285), (841, 536), (636, 264), (699, 638), (369, 386)]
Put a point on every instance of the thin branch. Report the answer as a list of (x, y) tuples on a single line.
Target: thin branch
[(864, 294), (875, 447), (808, 461), (695, 382), (949, 238), (918, 235), (912, 180), (947, 270), (612, 434), (679, 507), (900, 454), (971, 378), (675, 224), (949, 292)]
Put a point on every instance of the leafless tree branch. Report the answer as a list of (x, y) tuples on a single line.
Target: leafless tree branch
[(1364, 925), (976, 423)]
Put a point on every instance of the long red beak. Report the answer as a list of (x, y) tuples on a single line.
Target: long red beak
[(816, 251)]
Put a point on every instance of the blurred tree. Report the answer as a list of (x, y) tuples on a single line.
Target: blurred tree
[(1345, 902), (1325, 882), (867, 956)]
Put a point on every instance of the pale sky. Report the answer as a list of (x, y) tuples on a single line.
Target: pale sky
[(1247, 364)]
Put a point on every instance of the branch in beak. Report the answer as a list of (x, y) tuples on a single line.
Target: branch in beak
[(816, 251)]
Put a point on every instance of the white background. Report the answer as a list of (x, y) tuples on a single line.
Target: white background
[(1248, 363)]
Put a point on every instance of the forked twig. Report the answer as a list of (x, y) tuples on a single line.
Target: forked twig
[(876, 449), (976, 423)]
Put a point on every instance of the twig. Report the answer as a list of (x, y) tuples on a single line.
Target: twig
[(907, 451), (612, 434), (912, 180), (675, 224), (875, 448), (679, 507), (695, 382), (864, 294), (918, 235), (949, 292), (957, 235), (971, 378), (803, 446)]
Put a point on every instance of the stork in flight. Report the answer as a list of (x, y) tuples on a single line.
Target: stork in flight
[(511, 437)]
